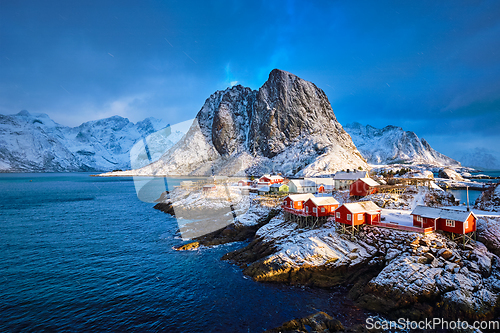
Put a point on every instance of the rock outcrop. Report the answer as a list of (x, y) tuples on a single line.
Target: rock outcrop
[(489, 199), (392, 272), (488, 232), (317, 322), (450, 174)]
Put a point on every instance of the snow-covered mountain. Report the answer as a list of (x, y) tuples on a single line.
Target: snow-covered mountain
[(287, 126), (35, 143), (392, 144), (481, 158)]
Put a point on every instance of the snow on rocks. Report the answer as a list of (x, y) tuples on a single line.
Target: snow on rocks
[(489, 200), (393, 272), (489, 233), (392, 144)]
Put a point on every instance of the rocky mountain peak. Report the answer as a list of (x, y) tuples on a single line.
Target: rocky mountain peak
[(23, 113), (287, 125), (392, 144)]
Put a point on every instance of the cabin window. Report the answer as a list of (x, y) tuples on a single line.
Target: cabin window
[(322, 210), (348, 217), (466, 224), (315, 210), (450, 223), (360, 217), (291, 204), (420, 219), (307, 209), (337, 215)]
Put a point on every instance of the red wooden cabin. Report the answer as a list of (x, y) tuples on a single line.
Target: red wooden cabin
[(271, 179), (296, 201), (450, 220), (245, 182), (363, 187), (209, 188), (320, 206), (356, 213)]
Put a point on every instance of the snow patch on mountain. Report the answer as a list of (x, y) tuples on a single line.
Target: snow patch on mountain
[(35, 143), (392, 144)]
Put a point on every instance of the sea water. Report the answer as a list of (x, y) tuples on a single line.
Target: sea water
[(81, 253), (461, 195)]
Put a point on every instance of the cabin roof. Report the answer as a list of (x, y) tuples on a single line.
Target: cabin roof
[(362, 207), (369, 181), (263, 189), (350, 175), (442, 213), (323, 201), (320, 181), (278, 185), (303, 182), (272, 177), (300, 197)]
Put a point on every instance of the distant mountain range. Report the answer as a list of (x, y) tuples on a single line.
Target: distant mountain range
[(286, 126), (392, 144), (35, 143), (479, 158)]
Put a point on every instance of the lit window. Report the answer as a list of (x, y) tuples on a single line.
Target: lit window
[(337, 215), (420, 219), (315, 210), (348, 217), (450, 223), (322, 210), (307, 209), (360, 217), (291, 204)]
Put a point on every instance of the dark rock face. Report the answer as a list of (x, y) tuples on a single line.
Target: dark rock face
[(266, 121), (230, 118), (317, 322), (165, 207), (286, 108)]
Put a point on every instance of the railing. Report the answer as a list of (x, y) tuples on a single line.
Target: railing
[(300, 212), (402, 227)]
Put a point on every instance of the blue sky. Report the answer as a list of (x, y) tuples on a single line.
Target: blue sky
[(432, 67)]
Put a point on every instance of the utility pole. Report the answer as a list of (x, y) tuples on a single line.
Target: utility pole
[(468, 209)]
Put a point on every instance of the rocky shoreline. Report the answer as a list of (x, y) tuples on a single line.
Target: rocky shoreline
[(395, 273)]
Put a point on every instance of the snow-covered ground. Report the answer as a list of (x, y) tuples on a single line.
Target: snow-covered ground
[(397, 216)]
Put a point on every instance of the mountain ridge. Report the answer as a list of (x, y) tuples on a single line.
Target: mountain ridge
[(35, 143), (392, 144)]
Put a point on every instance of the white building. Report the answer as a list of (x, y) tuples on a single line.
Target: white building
[(302, 186), (342, 179)]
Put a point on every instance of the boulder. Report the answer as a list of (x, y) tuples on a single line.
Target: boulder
[(188, 247), (450, 174)]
